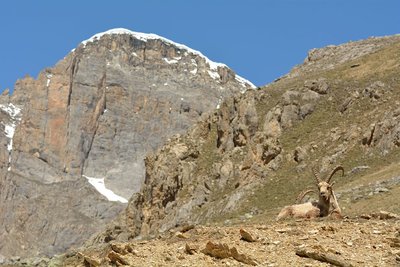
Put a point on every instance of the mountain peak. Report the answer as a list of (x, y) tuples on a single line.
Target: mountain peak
[(87, 124), (187, 50)]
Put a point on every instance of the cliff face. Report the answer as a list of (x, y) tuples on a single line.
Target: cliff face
[(254, 155), (92, 118)]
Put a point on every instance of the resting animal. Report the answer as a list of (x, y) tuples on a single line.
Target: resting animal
[(320, 208)]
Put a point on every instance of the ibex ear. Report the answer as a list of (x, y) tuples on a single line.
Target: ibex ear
[(331, 184)]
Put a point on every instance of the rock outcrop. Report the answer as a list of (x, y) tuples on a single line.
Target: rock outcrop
[(93, 117)]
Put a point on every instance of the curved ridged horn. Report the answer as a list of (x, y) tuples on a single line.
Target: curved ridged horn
[(316, 175), (303, 194), (338, 168)]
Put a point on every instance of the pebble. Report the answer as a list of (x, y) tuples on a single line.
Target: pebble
[(227, 222), (181, 235), (247, 236), (284, 230), (248, 216), (381, 190)]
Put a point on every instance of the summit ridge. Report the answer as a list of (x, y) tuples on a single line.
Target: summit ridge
[(151, 36)]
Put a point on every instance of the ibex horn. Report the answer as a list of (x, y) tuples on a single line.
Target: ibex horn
[(316, 175), (338, 168), (303, 194)]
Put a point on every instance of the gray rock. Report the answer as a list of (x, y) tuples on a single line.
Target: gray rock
[(290, 114), (319, 86), (299, 154), (380, 190), (310, 96), (290, 97), (306, 110), (376, 90), (358, 169), (272, 126)]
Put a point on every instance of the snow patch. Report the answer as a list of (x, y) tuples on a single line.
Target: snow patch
[(219, 102), (12, 110), (150, 36), (172, 61), (244, 82), (99, 185), (214, 75), (194, 63), (49, 76), (9, 128)]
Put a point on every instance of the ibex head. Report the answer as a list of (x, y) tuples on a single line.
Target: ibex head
[(325, 187)]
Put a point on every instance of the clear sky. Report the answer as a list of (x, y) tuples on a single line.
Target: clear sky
[(259, 39)]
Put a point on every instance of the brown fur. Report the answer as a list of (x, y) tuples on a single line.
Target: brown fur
[(315, 209)]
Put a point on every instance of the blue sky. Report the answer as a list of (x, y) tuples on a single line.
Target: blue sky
[(259, 39)]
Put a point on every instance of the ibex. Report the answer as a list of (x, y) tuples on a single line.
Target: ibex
[(315, 209)]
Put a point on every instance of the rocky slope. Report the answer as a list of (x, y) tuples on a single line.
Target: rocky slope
[(351, 242), (92, 118), (254, 154)]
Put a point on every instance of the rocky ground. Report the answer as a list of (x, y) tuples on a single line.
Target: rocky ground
[(369, 240)]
